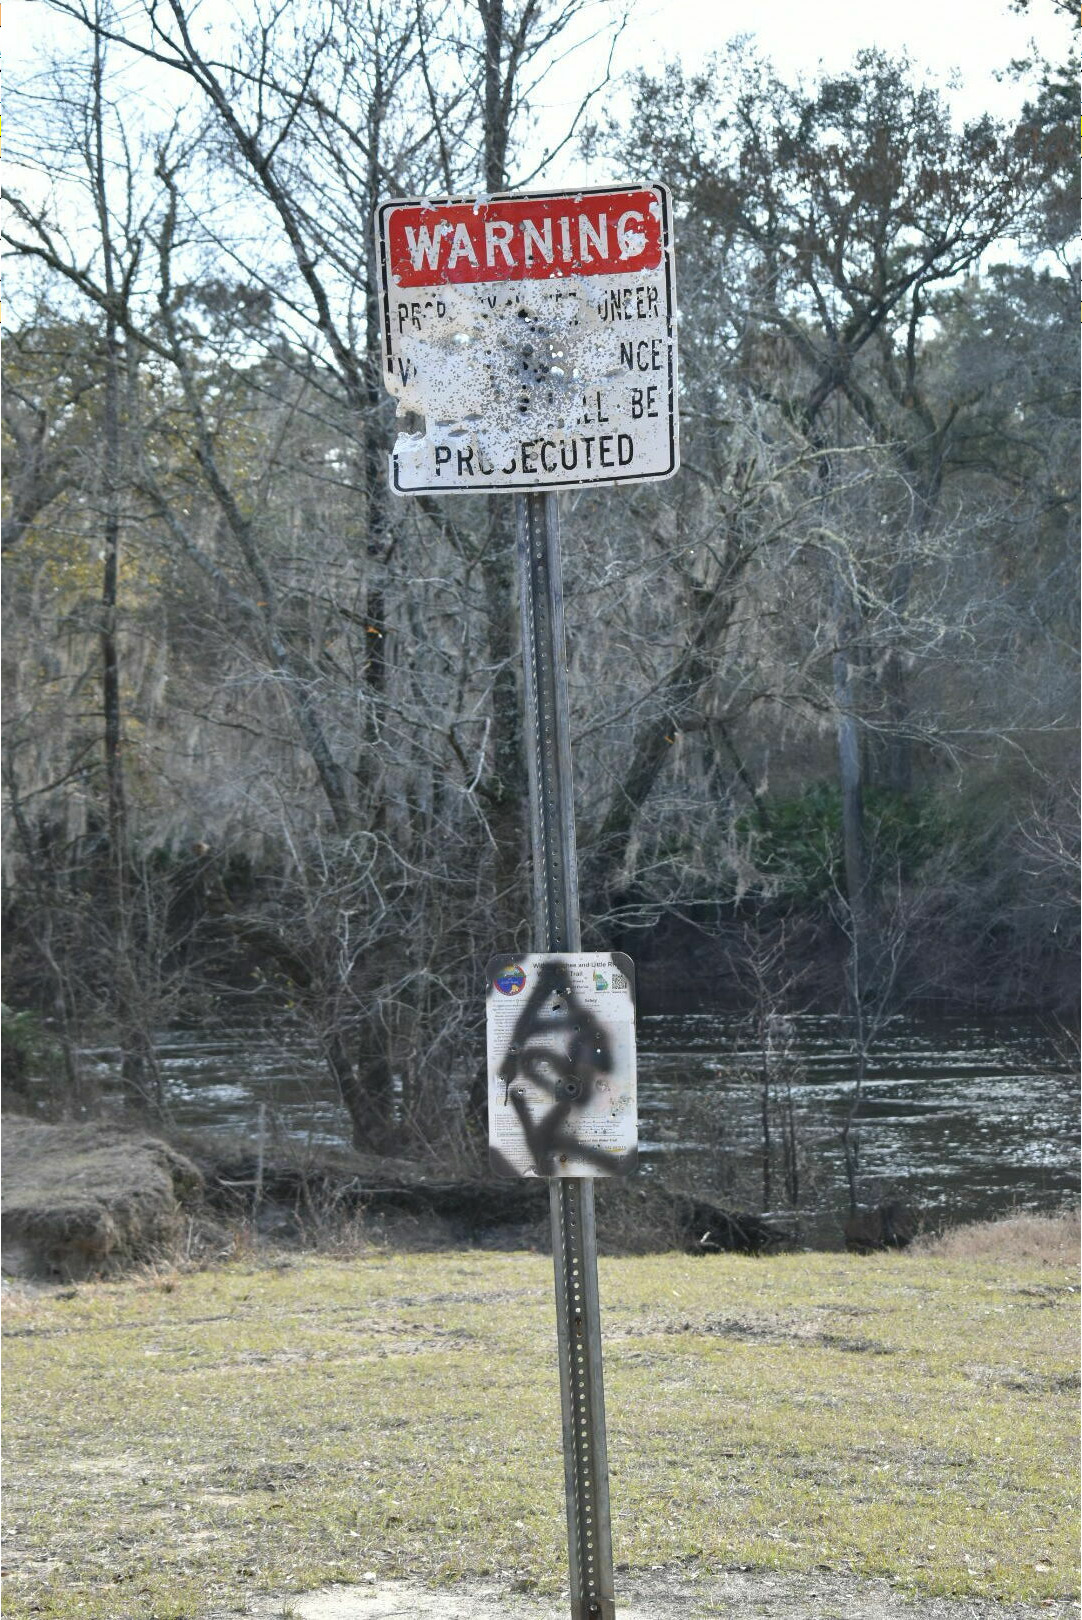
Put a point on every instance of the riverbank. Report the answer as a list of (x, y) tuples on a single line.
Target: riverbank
[(964, 1121), (186, 1446), (98, 1199)]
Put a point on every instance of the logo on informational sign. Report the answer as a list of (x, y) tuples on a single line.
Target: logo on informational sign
[(532, 337)]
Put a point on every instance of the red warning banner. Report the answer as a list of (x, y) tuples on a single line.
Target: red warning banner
[(598, 233)]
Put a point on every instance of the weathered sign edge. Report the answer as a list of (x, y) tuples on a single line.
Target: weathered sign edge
[(668, 262)]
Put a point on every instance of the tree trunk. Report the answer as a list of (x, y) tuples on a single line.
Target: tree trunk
[(846, 618), (849, 760), (680, 691), (139, 1066), (367, 1093), (505, 788)]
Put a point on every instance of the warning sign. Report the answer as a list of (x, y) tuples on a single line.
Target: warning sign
[(561, 1065), (532, 337)]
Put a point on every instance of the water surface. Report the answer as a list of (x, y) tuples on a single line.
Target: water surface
[(967, 1117)]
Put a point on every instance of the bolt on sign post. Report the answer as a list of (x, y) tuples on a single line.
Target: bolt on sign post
[(530, 340)]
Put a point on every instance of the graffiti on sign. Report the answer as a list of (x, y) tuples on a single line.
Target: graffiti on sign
[(561, 1065)]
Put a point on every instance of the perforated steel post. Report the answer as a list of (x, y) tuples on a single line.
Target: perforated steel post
[(556, 928)]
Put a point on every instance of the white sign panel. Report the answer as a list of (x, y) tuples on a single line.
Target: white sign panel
[(535, 335), (561, 1065)]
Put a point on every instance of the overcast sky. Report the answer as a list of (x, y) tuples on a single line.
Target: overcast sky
[(967, 40), (974, 38), (964, 44)]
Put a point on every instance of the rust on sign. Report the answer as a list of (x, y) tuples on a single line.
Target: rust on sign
[(534, 334)]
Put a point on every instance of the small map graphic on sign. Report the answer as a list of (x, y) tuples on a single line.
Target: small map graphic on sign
[(561, 1065)]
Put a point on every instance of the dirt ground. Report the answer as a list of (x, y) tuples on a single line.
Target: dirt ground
[(733, 1595)]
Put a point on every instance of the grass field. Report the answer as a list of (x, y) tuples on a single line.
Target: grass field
[(178, 1443)]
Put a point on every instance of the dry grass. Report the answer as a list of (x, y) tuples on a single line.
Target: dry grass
[(1051, 1240), (180, 1444)]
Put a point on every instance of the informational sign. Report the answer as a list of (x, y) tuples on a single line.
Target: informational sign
[(561, 1065), (534, 336)]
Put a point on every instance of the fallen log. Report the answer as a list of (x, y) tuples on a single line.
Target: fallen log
[(472, 1209)]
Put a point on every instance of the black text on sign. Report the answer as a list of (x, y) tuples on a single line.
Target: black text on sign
[(531, 338)]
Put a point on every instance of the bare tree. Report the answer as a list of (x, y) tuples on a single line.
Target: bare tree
[(318, 684)]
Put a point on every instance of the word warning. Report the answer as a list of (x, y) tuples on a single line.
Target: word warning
[(561, 1065), (535, 337)]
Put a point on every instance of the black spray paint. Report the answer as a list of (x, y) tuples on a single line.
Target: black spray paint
[(558, 1046)]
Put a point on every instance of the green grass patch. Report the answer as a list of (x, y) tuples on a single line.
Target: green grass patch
[(176, 1446)]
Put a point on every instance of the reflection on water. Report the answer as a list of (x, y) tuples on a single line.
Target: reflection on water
[(968, 1117)]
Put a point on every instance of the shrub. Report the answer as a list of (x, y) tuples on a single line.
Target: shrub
[(797, 843)]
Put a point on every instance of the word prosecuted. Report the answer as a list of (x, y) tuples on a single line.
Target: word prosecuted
[(584, 454), (524, 239)]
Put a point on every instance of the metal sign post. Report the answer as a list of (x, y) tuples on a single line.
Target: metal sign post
[(556, 928), (531, 338)]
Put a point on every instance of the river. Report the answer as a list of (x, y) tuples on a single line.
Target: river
[(968, 1118)]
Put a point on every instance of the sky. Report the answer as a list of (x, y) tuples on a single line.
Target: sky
[(969, 41), (965, 41), (973, 37)]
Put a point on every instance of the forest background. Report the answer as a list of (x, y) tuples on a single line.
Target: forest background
[(262, 747)]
